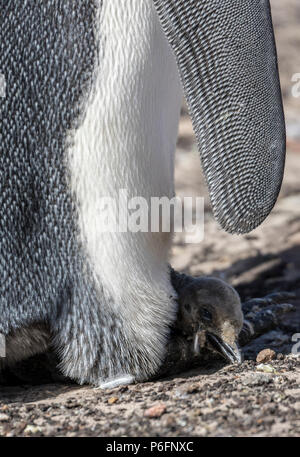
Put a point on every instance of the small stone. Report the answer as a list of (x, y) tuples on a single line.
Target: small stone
[(257, 379), (265, 368), (212, 427), (32, 429), (192, 389), (170, 420), (266, 356), (112, 400), (123, 389), (4, 418), (156, 411), (20, 428), (202, 432), (280, 356)]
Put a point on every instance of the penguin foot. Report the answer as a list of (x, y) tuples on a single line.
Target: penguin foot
[(263, 314)]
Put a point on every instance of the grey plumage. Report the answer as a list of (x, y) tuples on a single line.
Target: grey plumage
[(48, 55), (25, 342), (227, 60)]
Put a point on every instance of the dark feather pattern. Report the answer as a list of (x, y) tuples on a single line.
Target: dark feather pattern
[(227, 60)]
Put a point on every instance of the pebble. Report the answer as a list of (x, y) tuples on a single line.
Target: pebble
[(156, 411), (257, 379), (265, 368), (266, 356), (4, 418), (192, 388), (170, 420), (32, 429)]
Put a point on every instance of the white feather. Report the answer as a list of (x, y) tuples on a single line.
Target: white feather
[(127, 141)]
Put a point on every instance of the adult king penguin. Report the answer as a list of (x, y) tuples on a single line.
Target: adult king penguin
[(91, 106)]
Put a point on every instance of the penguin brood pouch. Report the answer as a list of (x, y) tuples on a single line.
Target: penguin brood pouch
[(93, 91)]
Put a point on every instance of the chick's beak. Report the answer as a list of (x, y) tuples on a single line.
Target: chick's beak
[(230, 352)]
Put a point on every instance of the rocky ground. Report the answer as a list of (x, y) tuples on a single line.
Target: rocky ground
[(253, 399)]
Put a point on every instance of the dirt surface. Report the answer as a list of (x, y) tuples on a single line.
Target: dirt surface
[(230, 401), (216, 400)]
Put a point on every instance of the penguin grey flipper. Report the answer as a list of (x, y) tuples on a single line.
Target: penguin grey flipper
[(227, 60)]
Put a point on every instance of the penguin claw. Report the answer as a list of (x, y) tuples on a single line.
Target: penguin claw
[(275, 298), (263, 314)]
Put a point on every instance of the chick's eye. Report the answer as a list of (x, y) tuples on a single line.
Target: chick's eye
[(206, 315)]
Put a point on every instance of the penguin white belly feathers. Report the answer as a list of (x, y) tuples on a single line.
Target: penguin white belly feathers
[(127, 141)]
